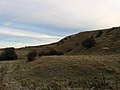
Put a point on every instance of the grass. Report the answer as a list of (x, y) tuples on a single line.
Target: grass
[(63, 73)]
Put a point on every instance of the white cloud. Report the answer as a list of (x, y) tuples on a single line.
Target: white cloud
[(29, 34), (70, 14), (20, 38), (64, 13)]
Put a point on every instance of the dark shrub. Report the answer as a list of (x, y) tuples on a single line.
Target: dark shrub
[(99, 34), (58, 44), (62, 41), (8, 54), (88, 43), (77, 44), (65, 38), (41, 53), (54, 52), (59, 53), (31, 56), (51, 52), (69, 36)]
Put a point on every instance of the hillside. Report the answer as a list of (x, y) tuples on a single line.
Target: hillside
[(107, 42), (62, 73), (79, 68)]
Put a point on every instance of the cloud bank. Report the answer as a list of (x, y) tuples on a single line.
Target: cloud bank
[(47, 20), (63, 13), (18, 38), (28, 34)]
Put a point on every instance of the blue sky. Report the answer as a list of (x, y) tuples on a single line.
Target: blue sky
[(37, 22)]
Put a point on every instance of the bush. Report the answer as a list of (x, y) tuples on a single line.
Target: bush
[(88, 43), (58, 44), (62, 41), (8, 54), (54, 52), (77, 44), (31, 56), (69, 36), (99, 34), (50, 52), (65, 38)]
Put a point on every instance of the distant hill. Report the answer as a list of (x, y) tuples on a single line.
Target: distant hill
[(107, 42)]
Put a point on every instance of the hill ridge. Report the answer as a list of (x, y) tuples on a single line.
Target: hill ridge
[(107, 42)]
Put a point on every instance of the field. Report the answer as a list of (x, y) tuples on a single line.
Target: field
[(67, 72)]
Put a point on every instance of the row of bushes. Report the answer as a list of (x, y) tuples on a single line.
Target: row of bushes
[(50, 52), (31, 55), (10, 54), (87, 43)]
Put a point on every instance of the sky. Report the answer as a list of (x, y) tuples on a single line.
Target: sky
[(37, 22)]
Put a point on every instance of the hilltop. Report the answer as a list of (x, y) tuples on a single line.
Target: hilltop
[(107, 42)]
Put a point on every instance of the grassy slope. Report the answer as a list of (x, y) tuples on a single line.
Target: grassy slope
[(47, 70), (62, 70), (71, 45)]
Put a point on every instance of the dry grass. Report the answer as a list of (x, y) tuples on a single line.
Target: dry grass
[(61, 72), (71, 45), (78, 69)]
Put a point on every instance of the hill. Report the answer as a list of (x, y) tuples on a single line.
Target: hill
[(107, 41), (82, 72), (92, 67)]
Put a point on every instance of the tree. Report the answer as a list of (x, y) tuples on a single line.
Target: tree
[(31, 56), (9, 54), (88, 43)]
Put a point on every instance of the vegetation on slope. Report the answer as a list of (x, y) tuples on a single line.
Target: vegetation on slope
[(64, 72), (91, 61), (107, 41)]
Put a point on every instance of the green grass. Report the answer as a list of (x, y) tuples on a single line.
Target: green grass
[(76, 72)]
